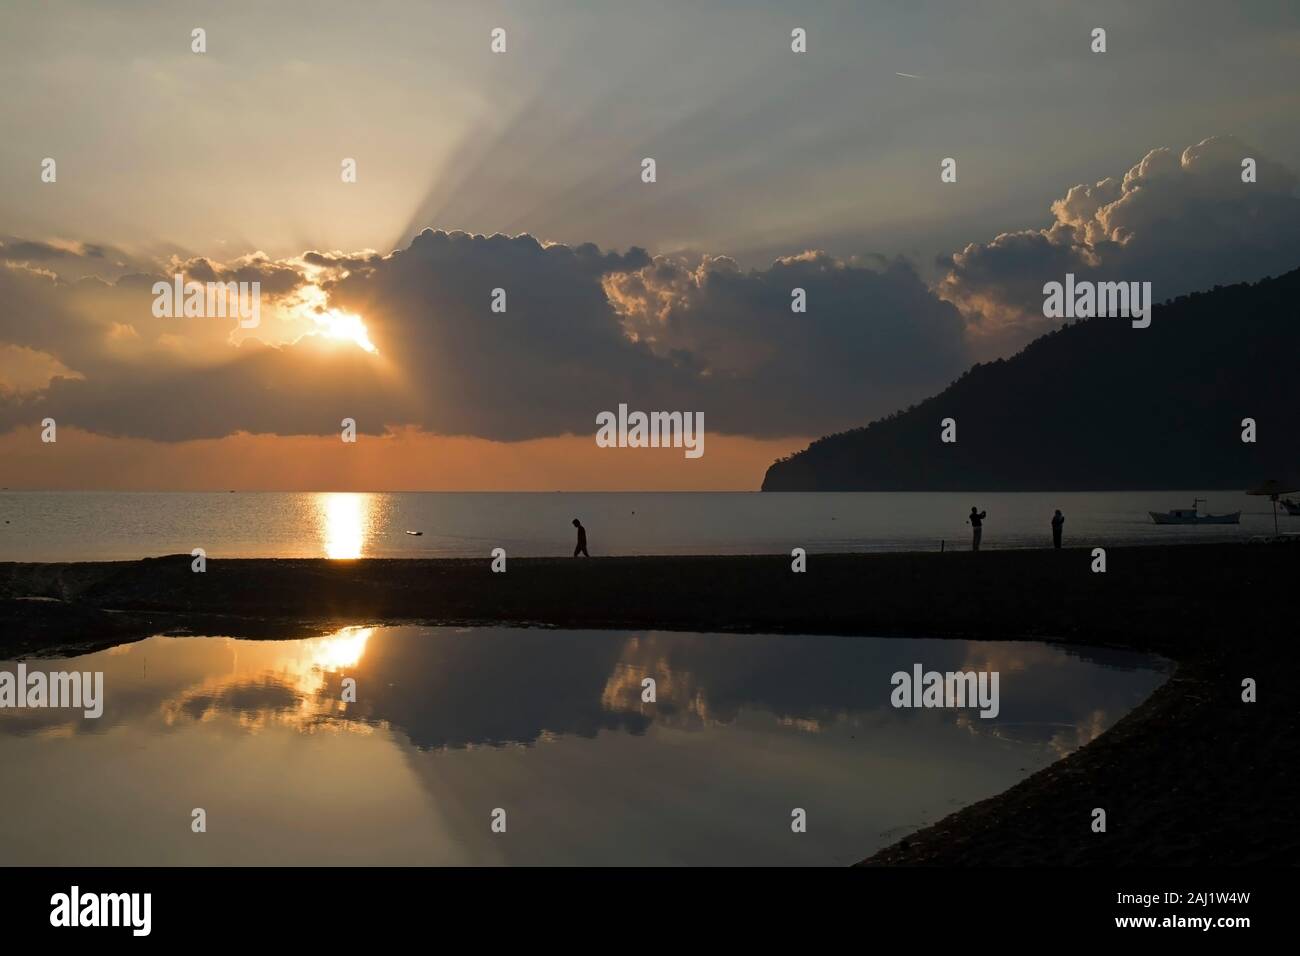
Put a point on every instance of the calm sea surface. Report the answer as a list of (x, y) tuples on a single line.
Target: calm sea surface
[(549, 726), (71, 526)]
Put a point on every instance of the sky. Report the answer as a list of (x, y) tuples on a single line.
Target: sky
[(522, 170)]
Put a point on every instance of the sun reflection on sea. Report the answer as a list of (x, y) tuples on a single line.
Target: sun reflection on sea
[(346, 519)]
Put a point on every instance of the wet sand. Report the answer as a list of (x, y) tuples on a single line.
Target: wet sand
[(1192, 776)]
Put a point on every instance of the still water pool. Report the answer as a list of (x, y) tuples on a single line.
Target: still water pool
[(549, 726)]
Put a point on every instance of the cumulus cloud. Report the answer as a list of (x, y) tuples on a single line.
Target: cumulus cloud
[(109, 366), (1180, 221), (871, 339), (584, 330), (24, 369), (300, 389), (275, 278)]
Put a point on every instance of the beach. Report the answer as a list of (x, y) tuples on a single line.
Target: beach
[(1190, 776)]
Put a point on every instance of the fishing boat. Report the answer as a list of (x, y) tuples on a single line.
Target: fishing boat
[(1193, 515)]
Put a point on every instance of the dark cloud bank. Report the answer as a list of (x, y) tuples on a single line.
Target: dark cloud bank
[(585, 329)]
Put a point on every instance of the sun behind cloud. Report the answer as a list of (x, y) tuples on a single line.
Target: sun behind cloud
[(348, 326), (307, 308)]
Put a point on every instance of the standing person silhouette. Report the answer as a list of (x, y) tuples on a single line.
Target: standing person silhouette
[(976, 520), (581, 548), (1058, 524)]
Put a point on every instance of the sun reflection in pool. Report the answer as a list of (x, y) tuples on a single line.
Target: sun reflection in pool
[(340, 650), (285, 683)]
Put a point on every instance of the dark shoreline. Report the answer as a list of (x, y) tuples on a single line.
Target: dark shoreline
[(1192, 776)]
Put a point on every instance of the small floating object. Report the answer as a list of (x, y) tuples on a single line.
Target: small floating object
[(415, 533)]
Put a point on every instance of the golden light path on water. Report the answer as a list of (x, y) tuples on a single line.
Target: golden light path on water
[(346, 518)]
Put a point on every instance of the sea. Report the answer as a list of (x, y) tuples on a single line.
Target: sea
[(112, 526)]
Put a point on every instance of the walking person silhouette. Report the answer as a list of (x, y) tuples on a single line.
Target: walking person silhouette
[(581, 548), (1058, 524), (976, 520)]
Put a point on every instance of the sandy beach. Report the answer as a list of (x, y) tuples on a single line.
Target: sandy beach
[(1190, 776)]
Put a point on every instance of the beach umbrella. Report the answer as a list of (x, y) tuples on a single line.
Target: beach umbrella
[(1273, 488)]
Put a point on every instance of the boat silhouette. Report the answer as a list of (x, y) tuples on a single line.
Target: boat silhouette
[(1193, 515)]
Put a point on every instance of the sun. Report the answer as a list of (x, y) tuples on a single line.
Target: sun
[(347, 326), (309, 303)]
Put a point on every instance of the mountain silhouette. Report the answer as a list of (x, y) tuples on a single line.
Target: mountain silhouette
[(1097, 405)]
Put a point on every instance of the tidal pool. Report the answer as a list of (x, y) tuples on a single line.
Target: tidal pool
[(450, 726)]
